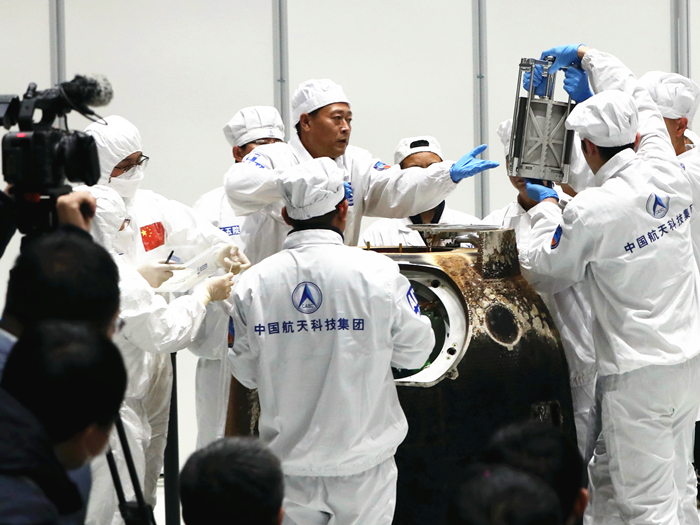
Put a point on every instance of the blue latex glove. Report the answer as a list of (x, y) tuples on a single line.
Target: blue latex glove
[(348, 193), (576, 84), (565, 56), (537, 82), (469, 165), (538, 190)]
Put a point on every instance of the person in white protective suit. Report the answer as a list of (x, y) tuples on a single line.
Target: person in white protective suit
[(414, 152), (677, 98), (318, 327), (629, 240), (569, 305), (322, 117), (151, 328), (249, 128), (164, 225)]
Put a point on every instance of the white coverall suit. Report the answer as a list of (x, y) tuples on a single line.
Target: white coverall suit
[(329, 407), (378, 191), (690, 161), (161, 225), (392, 232), (643, 281), (571, 311), (213, 375), (152, 329)]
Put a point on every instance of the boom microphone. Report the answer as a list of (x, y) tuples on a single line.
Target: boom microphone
[(86, 91)]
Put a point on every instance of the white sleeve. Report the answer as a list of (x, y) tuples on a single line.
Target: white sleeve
[(397, 193), (542, 283), (150, 322), (211, 339), (412, 332), (561, 245), (188, 228), (252, 184), (244, 364), (608, 73)]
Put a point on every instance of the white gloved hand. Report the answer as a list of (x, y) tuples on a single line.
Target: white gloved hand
[(157, 272), (232, 259), (214, 289)]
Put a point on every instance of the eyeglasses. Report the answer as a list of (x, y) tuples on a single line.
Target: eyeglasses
[(262, 142), (143, 161)]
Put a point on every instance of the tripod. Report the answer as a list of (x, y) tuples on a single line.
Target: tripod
[(134, 512)]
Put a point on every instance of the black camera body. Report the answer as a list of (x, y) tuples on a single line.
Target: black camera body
[(39, 158)]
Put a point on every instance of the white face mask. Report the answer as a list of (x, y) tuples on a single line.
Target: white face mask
[(127, 184)]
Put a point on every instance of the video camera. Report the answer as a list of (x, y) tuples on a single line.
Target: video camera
[(39, 158)]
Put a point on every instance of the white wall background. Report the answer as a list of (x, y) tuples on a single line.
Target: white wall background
[(406, 69), (181, 69)]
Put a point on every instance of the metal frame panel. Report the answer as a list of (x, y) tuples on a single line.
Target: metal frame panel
[(57, 38), (680, 37), (481, 116), (280, 47)]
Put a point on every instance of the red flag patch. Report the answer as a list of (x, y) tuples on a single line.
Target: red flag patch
[(153, 236)]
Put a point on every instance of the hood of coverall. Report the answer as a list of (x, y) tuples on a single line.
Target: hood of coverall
[(109, 218), (116, 141)]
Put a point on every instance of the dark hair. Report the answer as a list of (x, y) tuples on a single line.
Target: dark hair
[(544, 451), (63, 275), (297, 126), (501, 495), (608, 152), (233, 480), (321, 220), (419, 144), (68, 375)]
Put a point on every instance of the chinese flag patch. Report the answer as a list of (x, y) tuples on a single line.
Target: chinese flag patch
[(153, 236)]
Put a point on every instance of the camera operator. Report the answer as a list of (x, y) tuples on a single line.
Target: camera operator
[(59, 397)]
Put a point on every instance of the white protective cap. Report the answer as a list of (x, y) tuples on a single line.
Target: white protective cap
[(504, 131), (312, 189), (115, 142), (412, 145), (676, 96), (253, 123), (314, 94), (607, 119)]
